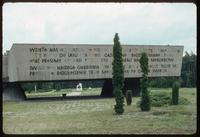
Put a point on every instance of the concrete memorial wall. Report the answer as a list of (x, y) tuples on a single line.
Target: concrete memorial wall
[(45, 62), (5, 68)]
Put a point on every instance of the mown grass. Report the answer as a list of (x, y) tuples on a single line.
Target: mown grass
[(97, 116), (92, 91), (54, 93)]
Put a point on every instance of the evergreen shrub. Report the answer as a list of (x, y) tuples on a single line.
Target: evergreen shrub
[(128, 97), (175, 93)]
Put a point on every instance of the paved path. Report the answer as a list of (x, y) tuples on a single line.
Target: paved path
[(75, 93)]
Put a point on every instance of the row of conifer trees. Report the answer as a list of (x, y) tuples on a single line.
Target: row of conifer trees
[(118, 81)]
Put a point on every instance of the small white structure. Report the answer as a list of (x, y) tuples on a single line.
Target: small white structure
[(35, 88), (79, 87)]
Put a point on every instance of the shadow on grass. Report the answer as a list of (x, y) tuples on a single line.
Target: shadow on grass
[(65, 98)]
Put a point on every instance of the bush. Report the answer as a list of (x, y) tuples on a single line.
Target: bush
[(175, 93), (128, 97), (183, 101), (159, 99)]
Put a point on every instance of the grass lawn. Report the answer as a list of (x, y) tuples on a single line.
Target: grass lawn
[(97, 116), (54, 93)]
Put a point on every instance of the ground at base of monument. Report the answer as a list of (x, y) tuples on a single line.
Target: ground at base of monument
[(68, 92), (98, 117)]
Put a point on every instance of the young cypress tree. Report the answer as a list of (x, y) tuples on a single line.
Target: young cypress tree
[(118, 75), (145, 99), (175, 93), (128, 97)]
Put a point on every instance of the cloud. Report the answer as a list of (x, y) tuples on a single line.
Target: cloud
[(96, 23)]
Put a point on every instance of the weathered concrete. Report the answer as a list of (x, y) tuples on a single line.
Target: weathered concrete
[(13, 92), (5, 67), (46, 62), (52, 62)]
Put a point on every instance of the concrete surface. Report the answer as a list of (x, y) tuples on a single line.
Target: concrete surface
[(41, 62)]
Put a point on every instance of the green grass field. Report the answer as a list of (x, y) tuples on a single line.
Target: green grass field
[(96, 116), (54, 93)]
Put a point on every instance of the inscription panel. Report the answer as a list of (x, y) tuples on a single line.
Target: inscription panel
[(35, 62)]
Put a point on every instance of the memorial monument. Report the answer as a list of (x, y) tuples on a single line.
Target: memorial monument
[(56, 62)]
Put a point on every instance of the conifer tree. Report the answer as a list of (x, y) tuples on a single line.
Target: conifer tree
[(118, 75), (145, 98), (175, 93)]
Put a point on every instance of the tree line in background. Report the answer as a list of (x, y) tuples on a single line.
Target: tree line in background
[(188, 78), (188, 74)]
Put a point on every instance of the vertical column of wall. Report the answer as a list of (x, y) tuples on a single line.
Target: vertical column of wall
[(11, 91), (5, 68)]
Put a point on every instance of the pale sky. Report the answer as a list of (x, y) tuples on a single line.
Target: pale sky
[(96, 23)]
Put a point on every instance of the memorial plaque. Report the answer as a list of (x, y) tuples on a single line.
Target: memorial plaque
[(38, 62)]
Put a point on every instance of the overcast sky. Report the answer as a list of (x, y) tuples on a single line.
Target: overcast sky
[(96, 23)]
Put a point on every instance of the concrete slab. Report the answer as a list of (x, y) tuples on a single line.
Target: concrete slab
[(13, 92), (47, 62)]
